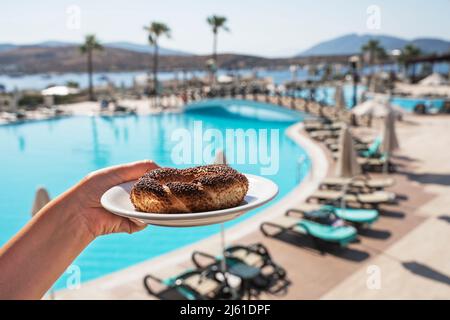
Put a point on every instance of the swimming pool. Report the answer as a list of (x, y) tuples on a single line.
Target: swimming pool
[(326, 95), (58, 153)]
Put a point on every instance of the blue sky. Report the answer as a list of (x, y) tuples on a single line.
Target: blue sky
[(264, 27)]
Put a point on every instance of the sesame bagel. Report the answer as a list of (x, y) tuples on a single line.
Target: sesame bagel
[(204, 188)]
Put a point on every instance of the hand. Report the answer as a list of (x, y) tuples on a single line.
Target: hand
[(83, 200), (38, 254)]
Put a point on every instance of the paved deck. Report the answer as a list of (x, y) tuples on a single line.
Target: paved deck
[(418, 265), (409, 244)]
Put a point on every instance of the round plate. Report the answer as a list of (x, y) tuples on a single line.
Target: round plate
[(117, 200)]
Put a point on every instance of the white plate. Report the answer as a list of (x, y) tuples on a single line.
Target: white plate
[(117, 200)]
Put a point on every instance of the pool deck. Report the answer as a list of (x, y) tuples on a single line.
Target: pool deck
[(417, 266), (142, 106), (408, 245)]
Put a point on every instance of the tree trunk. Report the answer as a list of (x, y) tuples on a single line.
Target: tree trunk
[(90, 72), (371, 63), (155, 69), (215, 48), (214, 67)]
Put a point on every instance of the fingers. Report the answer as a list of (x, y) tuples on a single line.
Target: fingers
[(136, 226), (125, 172), (130, 226), (134, 170)]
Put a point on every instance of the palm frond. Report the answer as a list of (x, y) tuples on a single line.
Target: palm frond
[(156, 30), (217, 23), (90, 44)]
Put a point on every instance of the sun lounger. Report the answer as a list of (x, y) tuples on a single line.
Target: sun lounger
[(322, 234), (333, 144), (252, 264), (316, 125), (373, 151), (375, 164), (372, 199), (360, 182), (358, 217), (322, 135), (200, 284)]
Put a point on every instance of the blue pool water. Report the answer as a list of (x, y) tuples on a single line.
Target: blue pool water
[(409, 104), (326, 95), (58, 153)]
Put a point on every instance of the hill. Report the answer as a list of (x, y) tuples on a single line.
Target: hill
[(352, 43), (118, 45)]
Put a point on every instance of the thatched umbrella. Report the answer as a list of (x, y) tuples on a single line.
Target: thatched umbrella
[(221, 159), (377, 108), (347, 165), (390, 140), (40, 200)]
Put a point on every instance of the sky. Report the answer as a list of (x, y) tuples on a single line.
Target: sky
[(259, 27)]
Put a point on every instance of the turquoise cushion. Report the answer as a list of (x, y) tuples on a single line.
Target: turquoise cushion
[(357, 215), (342, 235), (372, 151), (171, 282)]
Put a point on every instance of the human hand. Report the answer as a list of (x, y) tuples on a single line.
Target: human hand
[(38, 254), (83, 200)]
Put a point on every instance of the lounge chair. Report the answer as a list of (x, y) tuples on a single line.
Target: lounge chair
[(372, 199), (357, 217), (316, 124), (360, 182), (376, 164), (373, 151), (252, 264), (200, 284), (333, 144), (322, 135), (322, 125), (322, 234)]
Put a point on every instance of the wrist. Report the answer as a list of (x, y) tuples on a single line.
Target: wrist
[(66, 214)]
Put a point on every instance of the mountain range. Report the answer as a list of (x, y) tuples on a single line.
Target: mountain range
[(352, 43), (118, 45), (57, 56)]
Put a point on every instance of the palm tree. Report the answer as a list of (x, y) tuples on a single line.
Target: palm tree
[(376, 53), (410, 52), (88, 47), (217, 23), (155, 31)]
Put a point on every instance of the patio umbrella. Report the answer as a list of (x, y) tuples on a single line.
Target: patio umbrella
[(40, 200), (390, 140), (434, 79), (339, 99), (224, 79), (377, 108), (221, 159), (59, 91), (347, 165)]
